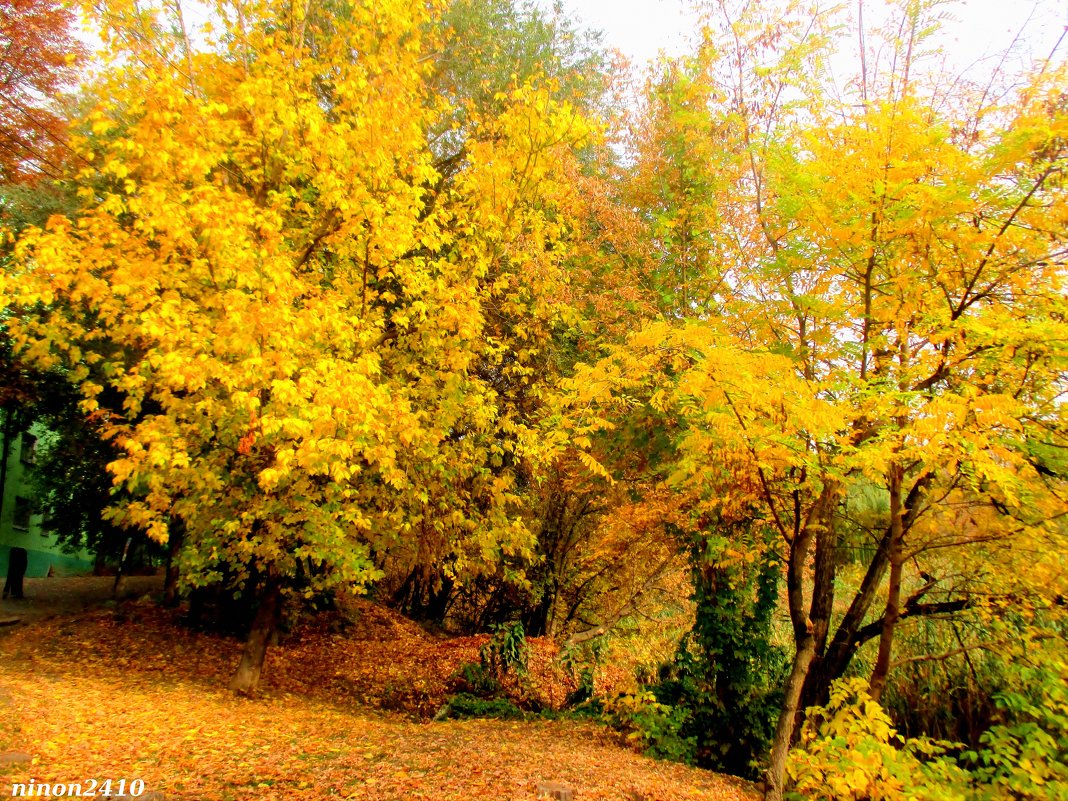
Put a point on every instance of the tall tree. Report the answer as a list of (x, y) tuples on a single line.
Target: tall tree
[(865, 287), (269, 268), (489, 47), (39, 55)]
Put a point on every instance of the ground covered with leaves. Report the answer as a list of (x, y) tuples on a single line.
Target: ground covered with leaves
[(128, 692)]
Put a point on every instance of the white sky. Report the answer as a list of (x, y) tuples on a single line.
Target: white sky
[(642, 28)]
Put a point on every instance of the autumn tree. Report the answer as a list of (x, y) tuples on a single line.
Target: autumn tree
[(866, 289), (488, 47), (39, 56), (269, 269)]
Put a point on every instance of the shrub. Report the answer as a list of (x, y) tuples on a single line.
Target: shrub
[(726, 671), (850, 751), (473, 678), (506, 651), (464, 705), (657, 729), (1025, 755)]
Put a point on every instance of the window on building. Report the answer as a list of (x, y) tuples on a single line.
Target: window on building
[(28, 448), (23, 510)]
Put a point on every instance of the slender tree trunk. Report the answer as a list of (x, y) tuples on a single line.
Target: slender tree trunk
[(817, 524), (832, 664), (844, 644), (784, 730), (247, 676), (170, 582), (820, 610), (893, 594), (120, 575)]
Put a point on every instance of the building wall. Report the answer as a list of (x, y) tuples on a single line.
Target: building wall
[(21, 526)]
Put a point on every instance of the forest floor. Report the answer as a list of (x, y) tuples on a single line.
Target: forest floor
[(47, 597), (128, 692)]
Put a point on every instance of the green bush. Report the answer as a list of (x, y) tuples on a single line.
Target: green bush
[(726, 672), (464, 705), (504, 655), (473, 678), (849, 751), (506, 651), (1024, 756), (657, 729)]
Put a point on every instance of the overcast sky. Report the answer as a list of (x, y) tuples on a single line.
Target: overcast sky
[(642, 28)]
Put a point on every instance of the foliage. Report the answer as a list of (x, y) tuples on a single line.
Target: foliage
[(861, 289), (39, 56), (463, 705), (1024, 755), (506, 651), (727, 673), (583, 693), (655, 728), (849, 750), (474, 679), (307, 339), (70, 479), (493, 44), (811, 330), (502, 675)]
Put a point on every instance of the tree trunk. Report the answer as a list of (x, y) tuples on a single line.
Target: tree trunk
[(844, 644), (170, 583), (817, 524), (120, 575), (820, 610), (426, 594), (850, 635), (537, 621), (784, 731), (247, 676), (893, 593)]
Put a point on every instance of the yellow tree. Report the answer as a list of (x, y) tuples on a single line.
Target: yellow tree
[(269, 271), (882, 305)]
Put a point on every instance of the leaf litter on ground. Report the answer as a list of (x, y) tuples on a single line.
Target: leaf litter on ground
[(132, 694)]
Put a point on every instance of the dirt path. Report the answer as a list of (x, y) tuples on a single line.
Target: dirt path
[(46, 597)]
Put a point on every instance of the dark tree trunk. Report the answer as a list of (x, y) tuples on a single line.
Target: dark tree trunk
[(820, 611), (170, 582), (247, 676), (843, 646), (120, 575), (537, 621), (424, 595), (17, 560), (817, 524), (893, 594), (851, 632)]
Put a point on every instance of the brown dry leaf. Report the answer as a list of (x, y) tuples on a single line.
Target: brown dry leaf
[(134, 695)]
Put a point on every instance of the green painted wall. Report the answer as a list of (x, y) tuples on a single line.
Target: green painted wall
[(16, 531)]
